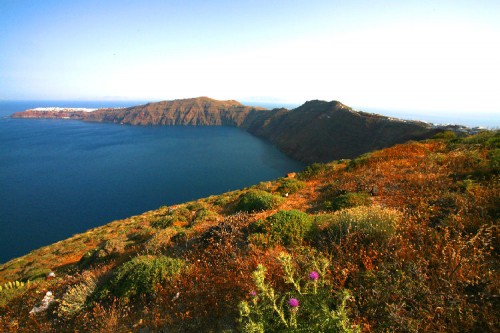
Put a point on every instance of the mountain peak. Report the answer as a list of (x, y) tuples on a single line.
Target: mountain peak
[(208, 100), (323, 105)]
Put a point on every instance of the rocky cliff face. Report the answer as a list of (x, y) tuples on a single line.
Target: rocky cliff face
[(320, 131), (317, 131), (201, 111), (34, 114)]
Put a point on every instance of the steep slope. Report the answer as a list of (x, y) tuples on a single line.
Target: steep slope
[(202, 111), (322, 131), (409, 233), (317, 131)]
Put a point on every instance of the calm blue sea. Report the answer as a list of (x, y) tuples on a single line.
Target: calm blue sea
[(61, 177)]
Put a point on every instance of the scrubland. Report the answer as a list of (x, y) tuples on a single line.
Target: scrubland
[(403, 239)]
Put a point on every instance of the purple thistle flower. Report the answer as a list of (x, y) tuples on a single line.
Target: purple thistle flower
[(293, 302), (314, 275)]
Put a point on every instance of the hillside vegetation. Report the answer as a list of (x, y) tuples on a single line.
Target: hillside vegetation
[(403, 239), (317, 131)]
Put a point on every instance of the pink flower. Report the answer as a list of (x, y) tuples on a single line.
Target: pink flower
[(314, 275), (293, 302), (253, 293)]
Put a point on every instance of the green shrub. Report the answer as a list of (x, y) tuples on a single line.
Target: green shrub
[(225, 199), (494, 158), (35, 273), (162, 222), (348, 200), (180, 214), (161, 240), (180, 237), (290, 185), (359, 161), (264, 186), (142, 275), (139, 237), (312, 171), (285, 227), (75, 298), (489, 138), (446, 135), (203, 215), (192, 206), (110, 249), (256, 200), (375, 224), (12, 289), (494, 140), (308, 305), (258, 239), (222, 200)]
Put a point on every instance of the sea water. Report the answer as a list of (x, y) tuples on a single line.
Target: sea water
[(61, 177)]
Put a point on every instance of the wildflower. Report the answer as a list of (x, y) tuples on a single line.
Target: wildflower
[(253, 293), (314, 275), (293, 302)]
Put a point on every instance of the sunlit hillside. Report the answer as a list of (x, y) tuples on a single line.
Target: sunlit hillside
[(403, 239)]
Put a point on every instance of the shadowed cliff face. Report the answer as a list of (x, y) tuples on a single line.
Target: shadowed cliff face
[(317, 131), (320, 131)]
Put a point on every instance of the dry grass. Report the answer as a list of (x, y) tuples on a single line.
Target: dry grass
[(435, 271)]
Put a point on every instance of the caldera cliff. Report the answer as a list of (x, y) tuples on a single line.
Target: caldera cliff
[(317, 131)]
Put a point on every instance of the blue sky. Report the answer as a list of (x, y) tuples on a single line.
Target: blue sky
[(422, 56)]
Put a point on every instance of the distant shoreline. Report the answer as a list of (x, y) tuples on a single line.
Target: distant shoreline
[(489, 120)]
